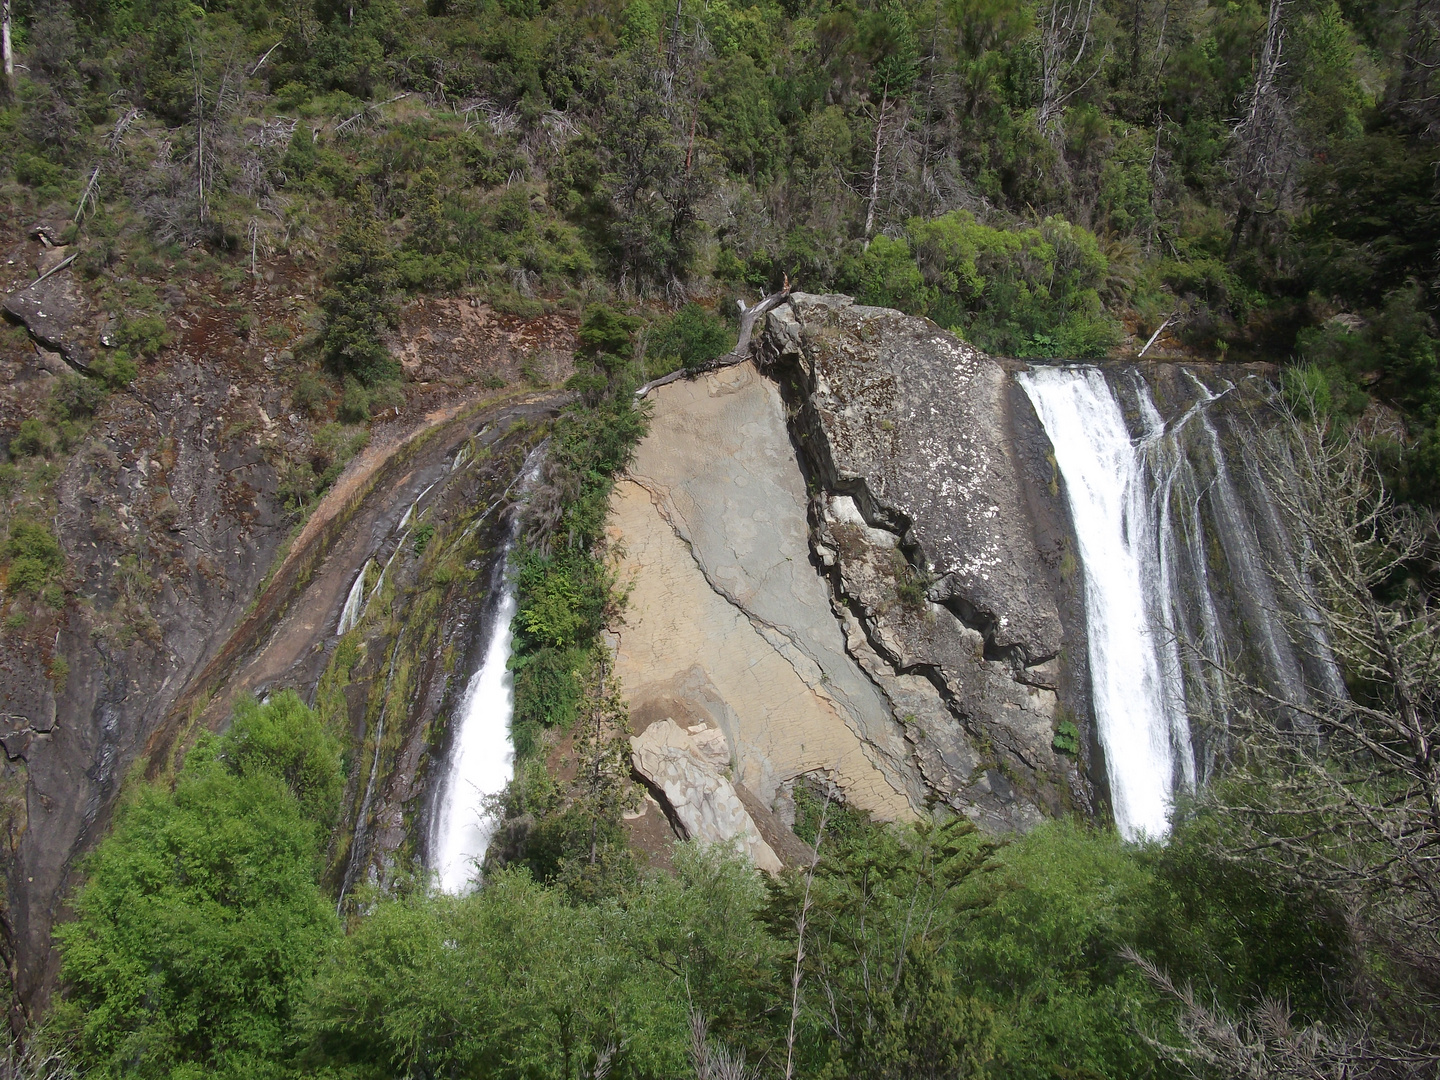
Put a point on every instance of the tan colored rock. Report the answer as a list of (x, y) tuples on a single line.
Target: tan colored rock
[(683, 767), (728, 624)]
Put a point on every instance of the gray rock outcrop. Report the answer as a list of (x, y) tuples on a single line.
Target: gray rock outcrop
[(914, 424), (728, 623), (58, 316), (688, 768), (924, 518)]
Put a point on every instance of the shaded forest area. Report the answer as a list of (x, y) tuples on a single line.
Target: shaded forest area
[(1048, 179)]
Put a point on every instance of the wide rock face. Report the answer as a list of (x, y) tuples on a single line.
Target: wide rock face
[(728, 623), (872, 611), (58, 316), (914, 423), (943, 547)]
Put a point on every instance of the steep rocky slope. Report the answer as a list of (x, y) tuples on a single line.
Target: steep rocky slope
[(848, 560), (185, 580)]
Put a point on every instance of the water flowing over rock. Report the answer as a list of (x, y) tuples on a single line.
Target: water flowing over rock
[(1180, 558), (482, 756), (1140, 712)]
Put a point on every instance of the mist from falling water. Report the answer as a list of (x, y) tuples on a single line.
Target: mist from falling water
[(1139, 708)]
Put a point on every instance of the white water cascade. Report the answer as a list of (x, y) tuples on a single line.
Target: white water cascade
[(354, 603), (482, 755), (1136, 693), (482, 759)]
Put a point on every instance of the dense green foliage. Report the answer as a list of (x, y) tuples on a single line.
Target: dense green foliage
[(1047, 182), (201, 923), (565, 591), (929, 952), (1044, 184)]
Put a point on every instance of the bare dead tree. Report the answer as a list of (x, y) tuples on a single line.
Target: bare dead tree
[(1340, 793), (1267, 1044), (7, 50), (34, 1059), (802, 917), (1068, 59), (1413, 95), (1264, 137), (881, 130), (712, 1062)]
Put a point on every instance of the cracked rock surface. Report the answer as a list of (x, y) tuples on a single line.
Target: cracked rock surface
[(686, 768), (915, 423), (728, 622)]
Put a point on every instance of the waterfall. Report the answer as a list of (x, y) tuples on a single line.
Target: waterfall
[(1180, 559), (482, 755), (354, 603), (482, 760), (1139, 707)]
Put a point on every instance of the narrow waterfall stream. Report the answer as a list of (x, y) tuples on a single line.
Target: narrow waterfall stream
[(482, 755), (354, 603), (1139, 706), (482, 759)]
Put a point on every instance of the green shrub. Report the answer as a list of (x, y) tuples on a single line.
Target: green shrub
[(36, 172), (75, 397), (354, 403), (335, 445), (34, 555), (144, 337), (201, 924), (116, 370), (33, 439), (885, 274), (358, 304), (690, 338), (311, 394)]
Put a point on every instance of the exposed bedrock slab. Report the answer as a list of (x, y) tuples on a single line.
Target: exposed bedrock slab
[(728, 621), (915, 423), (911, 442), (57, 314), (684, 766)]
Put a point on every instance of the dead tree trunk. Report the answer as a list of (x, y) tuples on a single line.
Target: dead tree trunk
[(875, 165), (1260, 135), (7, 49), (1064, 46)]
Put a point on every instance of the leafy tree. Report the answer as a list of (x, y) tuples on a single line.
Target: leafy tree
[(691, 337), (201, 922), (358, 303)]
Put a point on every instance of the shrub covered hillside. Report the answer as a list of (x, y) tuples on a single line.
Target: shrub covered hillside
[(1057, 178)]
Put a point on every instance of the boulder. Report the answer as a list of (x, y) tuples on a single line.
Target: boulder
[(684, 766), (923, 516), (58, 316)]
